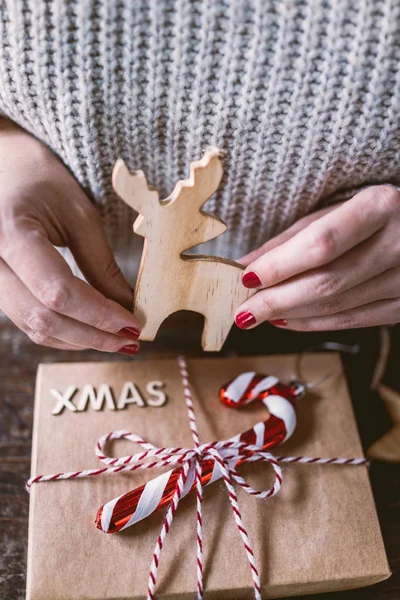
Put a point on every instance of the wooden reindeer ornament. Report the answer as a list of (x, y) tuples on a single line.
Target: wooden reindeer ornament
[(168, 279)]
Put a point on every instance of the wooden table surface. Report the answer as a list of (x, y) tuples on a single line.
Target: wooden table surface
[(19, 361)]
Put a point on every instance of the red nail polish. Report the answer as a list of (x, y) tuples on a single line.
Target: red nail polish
[(129, 349), (278, 322), (245, 319), (129, 332), (251, 280)]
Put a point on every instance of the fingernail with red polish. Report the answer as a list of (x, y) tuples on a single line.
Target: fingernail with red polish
[(245, 319), (129, 332), (251, 280), (278, 322), (129, 349)]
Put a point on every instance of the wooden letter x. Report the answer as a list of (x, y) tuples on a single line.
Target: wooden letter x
[(64, 400), (168, 279)]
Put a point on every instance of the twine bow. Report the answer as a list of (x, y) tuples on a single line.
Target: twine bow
[(224, 453)]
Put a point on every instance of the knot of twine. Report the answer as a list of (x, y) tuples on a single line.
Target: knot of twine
[(225, 453)]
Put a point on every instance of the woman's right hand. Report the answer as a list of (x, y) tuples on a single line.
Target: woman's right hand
[(42, 206)]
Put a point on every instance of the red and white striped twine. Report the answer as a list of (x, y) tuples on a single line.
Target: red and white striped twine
[(189, 459), (199, 486)]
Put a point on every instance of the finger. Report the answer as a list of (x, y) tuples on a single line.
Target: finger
[(92, 252), (383, 312), (360, 264), (58, 345), (285, 235), (47, 276), (48, 328), (325, 239), (384, 286)]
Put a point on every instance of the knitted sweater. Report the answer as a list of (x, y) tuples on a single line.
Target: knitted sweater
[(302, 95)]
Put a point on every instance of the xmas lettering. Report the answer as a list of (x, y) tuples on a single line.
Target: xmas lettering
[(78, 400)]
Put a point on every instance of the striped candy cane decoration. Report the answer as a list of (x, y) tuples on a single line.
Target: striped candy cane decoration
[(132, 507)]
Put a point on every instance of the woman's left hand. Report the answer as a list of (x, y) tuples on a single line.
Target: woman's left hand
[(338, 268)]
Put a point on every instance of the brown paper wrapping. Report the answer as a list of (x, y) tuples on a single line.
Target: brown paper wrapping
[(320, 533)]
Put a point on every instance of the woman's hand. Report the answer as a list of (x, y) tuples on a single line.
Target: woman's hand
[(336, 269), (42, 206)]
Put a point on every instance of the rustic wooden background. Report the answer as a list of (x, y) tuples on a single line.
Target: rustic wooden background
[(19, 361)]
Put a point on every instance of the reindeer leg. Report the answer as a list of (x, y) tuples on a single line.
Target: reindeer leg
[(224, 300), (216, 329), (151, 326)]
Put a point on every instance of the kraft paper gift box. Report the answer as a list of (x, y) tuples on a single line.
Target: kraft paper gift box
[(319, 533)]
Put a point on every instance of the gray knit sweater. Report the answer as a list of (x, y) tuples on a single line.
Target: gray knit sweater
[(303, 95)]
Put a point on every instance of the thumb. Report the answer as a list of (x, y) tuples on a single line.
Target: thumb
[(92, 252)]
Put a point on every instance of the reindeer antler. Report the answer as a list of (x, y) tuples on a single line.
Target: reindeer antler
[(204, 179), (190, 194), (133, 188)]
